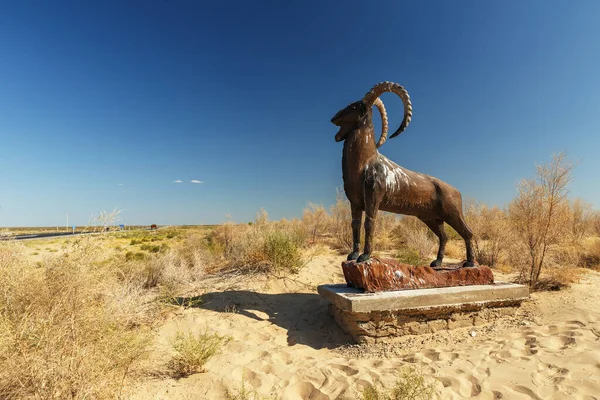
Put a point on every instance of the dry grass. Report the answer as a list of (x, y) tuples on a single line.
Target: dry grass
[(456, 249), (410, 385), (557, 278), (244, 393), (416, 236), (268, 247), (492, 233), (68, 329), (193, 351)]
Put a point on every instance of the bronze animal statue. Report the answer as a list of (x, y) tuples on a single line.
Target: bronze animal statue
[(373, 182)]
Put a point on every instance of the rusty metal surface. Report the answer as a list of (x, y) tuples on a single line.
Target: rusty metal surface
[(377, 275)]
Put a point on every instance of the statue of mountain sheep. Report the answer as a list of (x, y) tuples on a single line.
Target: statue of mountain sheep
[(373, 182)]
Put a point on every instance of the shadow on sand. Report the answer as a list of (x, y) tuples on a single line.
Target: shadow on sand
[(303, 315)]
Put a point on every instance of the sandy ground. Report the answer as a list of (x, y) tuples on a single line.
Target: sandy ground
[(286, 346)]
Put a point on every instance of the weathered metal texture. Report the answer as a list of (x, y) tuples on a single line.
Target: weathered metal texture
[(376, 275)]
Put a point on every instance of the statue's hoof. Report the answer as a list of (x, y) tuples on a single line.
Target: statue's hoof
[(352, 256), (363, 257), (469, 264), (435, 263)]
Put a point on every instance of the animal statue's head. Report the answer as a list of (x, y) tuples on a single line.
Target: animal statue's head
[(359, 113)]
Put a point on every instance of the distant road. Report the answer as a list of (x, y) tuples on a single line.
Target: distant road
[(50, 235), (45, 235), (58, 234)]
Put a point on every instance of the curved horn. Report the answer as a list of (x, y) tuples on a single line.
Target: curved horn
[(386, 86), (384, 121)]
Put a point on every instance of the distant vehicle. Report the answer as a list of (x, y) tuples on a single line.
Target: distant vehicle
[(153, 226)]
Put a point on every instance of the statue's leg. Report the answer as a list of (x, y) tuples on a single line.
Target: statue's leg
[(460, 226), (372, 199), (356, 222), (437, 227)]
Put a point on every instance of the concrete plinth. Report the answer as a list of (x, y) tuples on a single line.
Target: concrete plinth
[(369, 317)]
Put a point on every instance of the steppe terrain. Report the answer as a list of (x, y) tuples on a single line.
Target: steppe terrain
[(279, 341)]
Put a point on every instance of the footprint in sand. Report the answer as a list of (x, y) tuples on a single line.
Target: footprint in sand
[(497, 395), (448, 356), (567, 342), (252, 378), (346, 369), (447, 382), (575, 322), (432, 355), (304, 390), (475, 386), (526, 391)]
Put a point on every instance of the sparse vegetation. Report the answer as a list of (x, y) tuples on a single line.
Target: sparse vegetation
[(540, 215), (75, 320), (409, 386), (67, 329), (193, 351), (244, 393)]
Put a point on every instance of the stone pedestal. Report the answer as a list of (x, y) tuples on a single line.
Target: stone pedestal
[(378, 275), (371, 317)]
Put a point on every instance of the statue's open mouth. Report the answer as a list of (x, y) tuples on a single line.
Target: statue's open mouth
[(342, 132), (344, 129)]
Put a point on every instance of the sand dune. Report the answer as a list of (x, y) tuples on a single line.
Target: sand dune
[(286, 346)]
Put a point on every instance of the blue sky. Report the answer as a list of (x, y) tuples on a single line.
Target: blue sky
[(105, 104)]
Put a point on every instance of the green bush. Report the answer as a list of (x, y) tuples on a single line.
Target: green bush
[(131, 256), (410, 256), (282, 253), (154, 248)]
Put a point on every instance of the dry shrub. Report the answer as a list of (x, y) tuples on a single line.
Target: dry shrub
[(591, 253), (492, 233), (170, 270), (557, 278), (384, 236), (244, 393), (262, 246), (315, 221), (455, 249), (581, 220), (340, 226), (411, 385), (415, 235), (595, 223), (193, 351), (68, 328), (540, 215)]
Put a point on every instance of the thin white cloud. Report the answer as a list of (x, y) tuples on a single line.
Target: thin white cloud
[(120, 184), (177, 181), (195, 181)]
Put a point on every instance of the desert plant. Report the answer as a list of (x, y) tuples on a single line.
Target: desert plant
[(281, 253), (410, 385), (340, 227), (193, 351), (410, 256), (270, 247), (244, 393), (67, 328), (384, 236), (540, 214), (414, 235), (492, 233), (315, 220), (581, 219)]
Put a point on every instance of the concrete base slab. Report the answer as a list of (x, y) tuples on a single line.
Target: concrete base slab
[(369, 317)]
